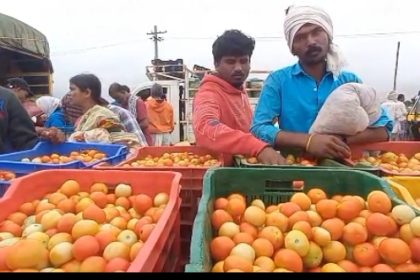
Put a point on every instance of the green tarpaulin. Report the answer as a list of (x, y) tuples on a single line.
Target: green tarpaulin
[(19, 36)]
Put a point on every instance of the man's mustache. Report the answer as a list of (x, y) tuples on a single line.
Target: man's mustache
[(313, 49)]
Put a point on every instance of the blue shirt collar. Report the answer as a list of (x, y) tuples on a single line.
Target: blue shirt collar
[(298, 69)]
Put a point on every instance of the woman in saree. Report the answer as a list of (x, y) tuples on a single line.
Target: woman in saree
[(98, 124)]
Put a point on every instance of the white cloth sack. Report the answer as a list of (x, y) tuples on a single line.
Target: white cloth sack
[(350, 109)]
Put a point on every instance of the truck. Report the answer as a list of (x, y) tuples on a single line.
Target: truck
[(25, 53), (180, 84)]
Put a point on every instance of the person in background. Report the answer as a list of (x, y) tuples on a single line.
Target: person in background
[(50, 106), (416, 103), (401, 98), (405, 134), (17, 131), (144, 94), (98, 124), (134, 104), (398, 113), (130, 123), (125, 89), (222, 114), (407, 102), (414, 118), (296, 93), (161, 117), (71, 111), (21, 88)]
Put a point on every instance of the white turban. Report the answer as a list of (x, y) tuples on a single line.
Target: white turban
[(48, 104), (301, 15), (393, 95)]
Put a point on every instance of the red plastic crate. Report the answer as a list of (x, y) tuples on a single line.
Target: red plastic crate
[(409, 148), (191, 182), (160, 252)]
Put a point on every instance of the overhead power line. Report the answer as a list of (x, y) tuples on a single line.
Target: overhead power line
[(82, 50), (355, 35), (376, 34), (262, 38)]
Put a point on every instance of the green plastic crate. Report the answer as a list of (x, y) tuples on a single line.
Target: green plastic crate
[(359, 166), (273, 186), (241, 162)]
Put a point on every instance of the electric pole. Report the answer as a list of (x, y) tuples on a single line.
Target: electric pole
[(156, 39), (396, 66)]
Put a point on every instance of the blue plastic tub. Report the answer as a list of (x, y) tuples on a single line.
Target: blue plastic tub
[(13, 161)]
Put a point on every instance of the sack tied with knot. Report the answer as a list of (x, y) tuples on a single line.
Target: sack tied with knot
[(350, 109)]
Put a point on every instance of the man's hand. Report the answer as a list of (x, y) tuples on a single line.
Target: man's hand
[(59, 137), (327, 146), (270, 156), (43, 118), (53, 134)]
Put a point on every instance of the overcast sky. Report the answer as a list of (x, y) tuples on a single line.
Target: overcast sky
[(108, 38)]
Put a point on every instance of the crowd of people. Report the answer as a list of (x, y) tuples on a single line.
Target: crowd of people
[(83, 115), (289, 105), (291, 98)]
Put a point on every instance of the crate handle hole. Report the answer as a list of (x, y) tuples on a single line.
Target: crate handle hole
[(284, 185)]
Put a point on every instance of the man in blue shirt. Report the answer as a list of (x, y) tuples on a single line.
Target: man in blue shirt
[(295, 94)]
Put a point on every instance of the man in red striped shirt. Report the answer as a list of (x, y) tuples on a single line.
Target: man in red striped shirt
[(222, 114)]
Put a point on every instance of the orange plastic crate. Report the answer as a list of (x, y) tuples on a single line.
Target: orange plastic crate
[(160, 252), (409, 148), (191, 182)]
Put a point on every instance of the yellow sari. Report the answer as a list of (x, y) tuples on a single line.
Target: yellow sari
[(101, 125)]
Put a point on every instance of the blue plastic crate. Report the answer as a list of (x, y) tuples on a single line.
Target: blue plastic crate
[(12, 161)]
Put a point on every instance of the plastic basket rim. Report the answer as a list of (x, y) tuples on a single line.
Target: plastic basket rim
[(151, 168), (136, 156), (121, 150), (243, 163), (337, 165), (384, 183)]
